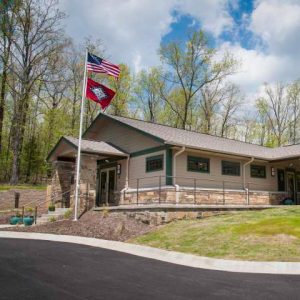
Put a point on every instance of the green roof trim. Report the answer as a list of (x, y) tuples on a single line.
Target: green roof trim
[(148, 151), (169, 164)]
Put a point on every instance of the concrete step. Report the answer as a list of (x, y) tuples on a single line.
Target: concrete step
[(59, 209), (53, 214), (44, 218)]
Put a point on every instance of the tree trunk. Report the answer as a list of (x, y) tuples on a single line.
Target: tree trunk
[(3, 91)]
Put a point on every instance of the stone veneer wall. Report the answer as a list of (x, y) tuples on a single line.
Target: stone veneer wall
[(62, 181), (204, 197), (62, 185)]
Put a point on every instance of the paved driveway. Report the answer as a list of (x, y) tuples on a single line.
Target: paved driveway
[(52, 270)]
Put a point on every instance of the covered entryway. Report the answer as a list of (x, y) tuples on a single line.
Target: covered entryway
[(98, 182)]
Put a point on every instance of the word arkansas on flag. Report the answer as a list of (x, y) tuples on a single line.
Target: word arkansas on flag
[(99, 93)]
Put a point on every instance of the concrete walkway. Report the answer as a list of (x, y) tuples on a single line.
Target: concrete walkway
[(7, 226), (189, 260)]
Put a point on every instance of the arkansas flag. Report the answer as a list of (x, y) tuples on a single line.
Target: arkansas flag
[(99, 93)]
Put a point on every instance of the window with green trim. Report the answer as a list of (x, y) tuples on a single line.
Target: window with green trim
[(231, 168), (257, 171), (298, 182), (197, 164), (154, 163)]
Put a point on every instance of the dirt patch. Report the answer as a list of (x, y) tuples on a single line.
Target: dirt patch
[(4, 217), (113, 226)]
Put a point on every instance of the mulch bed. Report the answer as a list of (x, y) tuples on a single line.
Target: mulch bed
[(4, 217), (113, 226)]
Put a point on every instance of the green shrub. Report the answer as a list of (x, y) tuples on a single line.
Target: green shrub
[(105, 213), (51, 207), (68, 214), (29, 210), (52, 219)]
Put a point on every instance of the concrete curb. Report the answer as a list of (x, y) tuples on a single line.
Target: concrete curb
[(291, 268)]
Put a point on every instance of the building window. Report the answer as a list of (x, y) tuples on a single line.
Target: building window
[(298, 182), (281, 180), (258, 171), (154, 163), (231, 168), (197, 164)]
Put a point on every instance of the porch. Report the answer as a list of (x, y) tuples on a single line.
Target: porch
[(109, 177), (93, 154)]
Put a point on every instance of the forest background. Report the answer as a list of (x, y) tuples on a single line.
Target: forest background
[(41, 72)]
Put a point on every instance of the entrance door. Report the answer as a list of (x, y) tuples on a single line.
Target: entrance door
[(107, 186), (291, 186)]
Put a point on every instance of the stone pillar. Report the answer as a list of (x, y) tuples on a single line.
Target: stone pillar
[(62, 181)]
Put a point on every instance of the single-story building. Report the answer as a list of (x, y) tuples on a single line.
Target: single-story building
[(127, 161)]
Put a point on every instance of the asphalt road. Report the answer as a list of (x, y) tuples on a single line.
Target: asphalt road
[(52, 270)]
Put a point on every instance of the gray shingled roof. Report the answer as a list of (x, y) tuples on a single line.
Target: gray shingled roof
[(96, 147), (191, 139)]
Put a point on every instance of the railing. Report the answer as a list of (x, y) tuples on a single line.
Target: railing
[(190, 190), (38, 205)]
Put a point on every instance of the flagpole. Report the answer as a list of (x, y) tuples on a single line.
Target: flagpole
[(77, 186)]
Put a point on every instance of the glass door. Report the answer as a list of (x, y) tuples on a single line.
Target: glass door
[(111, 186), (102, 189), (107, 184), (291, 187)]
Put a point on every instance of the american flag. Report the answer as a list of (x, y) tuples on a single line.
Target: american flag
[(99, 65)]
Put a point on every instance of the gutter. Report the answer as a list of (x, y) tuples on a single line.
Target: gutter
[(217, 151), (244, 177), (126, 179), (174, 173)]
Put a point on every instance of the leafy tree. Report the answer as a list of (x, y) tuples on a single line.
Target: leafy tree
[(146, 92), (189, 67), (120, 105)]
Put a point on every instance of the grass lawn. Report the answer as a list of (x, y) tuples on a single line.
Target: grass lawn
[(268, 235), (7, 187)]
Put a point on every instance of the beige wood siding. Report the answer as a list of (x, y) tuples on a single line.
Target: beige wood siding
[(137, 169), (121, 136), (121, 179), (215, 179)]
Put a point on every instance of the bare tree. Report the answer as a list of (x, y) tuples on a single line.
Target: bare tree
[(294, 100), (54, 89), (38, 36), (147, 94), (8, 9), (229, 106), (74, 72), (278, 110)]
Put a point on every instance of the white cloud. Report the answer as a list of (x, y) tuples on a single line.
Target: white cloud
[(277, 24), (132, 30), (213, 14)]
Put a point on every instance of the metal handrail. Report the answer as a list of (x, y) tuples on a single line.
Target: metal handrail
[(182, 177), (222, 186)]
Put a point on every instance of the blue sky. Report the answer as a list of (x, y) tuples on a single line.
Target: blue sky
[(264, 35), (185, 22)]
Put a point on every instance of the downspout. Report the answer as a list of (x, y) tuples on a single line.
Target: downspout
[(126, 181), (244, 177), (174, 173)]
